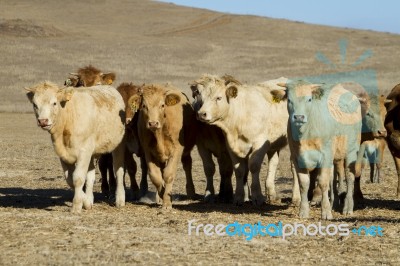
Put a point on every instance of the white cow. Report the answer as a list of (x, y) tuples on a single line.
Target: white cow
[(83, 123), (253, 123)]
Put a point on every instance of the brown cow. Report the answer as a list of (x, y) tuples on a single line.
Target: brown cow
[(167, 131), (132, 141), (392, 125), (89, 76)]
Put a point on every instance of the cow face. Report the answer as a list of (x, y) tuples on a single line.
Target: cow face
[(372, 121), (212, 99), (47, 100), (132, 106), (153, 106), (300, 101)]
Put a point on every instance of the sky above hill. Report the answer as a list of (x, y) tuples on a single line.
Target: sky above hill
[(359, 14)]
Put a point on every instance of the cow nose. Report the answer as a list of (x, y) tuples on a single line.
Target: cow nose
[(299, 117), (202, 115), (43, 122), (382, 133), (153, 124)]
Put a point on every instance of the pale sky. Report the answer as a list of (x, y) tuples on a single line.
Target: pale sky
[(374, 15)]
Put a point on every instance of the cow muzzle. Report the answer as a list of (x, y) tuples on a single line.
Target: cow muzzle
[(44, 124), (202, 116), (299, 119), (380, 134), (153, 125)]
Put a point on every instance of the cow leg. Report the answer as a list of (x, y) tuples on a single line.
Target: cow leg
[(239, 166), (226, 172), (304, 182), (372, 173), (103, 167), (397, 163), (169, 174), (68, 170), (111, 176), (156, 178), (323, 184), (144, 187), (295, 189), (341, 187), (255, 161), (131, 167), (78, 179), (273, 160), (118, 164), (349, 201), (186, 160), (316, 195), (209, 170), (90, 179)]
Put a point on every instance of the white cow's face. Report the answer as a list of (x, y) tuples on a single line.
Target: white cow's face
[(47, 102), (212, 100)]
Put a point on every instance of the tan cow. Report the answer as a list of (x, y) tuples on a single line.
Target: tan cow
[(253, 123), (83, 123), (167, 132)]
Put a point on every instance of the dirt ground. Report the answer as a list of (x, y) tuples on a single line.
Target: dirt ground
[(146, 41)]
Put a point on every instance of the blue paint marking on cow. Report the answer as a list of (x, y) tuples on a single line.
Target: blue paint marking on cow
[(323, 114)]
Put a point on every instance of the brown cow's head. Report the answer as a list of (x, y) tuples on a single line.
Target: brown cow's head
[(47, 100), (152, 103), (132, 104), (89, 76), (212, 96)]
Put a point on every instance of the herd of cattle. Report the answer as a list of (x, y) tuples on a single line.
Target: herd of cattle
[(332, 130)]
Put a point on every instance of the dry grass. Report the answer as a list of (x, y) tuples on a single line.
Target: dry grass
[(145, 41)]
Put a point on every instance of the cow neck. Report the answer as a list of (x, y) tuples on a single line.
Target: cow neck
[(60, 136), (160, 136)]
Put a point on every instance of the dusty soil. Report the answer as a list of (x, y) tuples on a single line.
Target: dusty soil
[(147, 41)]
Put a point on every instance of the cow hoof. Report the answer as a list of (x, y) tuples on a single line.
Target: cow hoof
[(238, 201), (76, 210), (273, 200), (88, 203), (136, 195), (295, 202), (119, 203), (258, 201), (190, 192), (167, 206), (326, 216), (209, 198)]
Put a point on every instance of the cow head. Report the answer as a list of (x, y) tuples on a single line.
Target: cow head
[(47, 100), (89, 76), (300, 97), (212, 95), (373, 119), (131, 94), (152, 103)]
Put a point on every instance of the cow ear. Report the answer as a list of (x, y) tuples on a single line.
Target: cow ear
[(278, 95), (282, 84), (134, 102), (195, 90), (317, 91), (231, 92), (64, 95), (172, 99), (108, 78), (30, 92)]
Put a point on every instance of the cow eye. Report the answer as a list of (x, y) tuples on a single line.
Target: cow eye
[(54, 104), (309, 100), (219, 98), (163, 105), (143, 106)]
